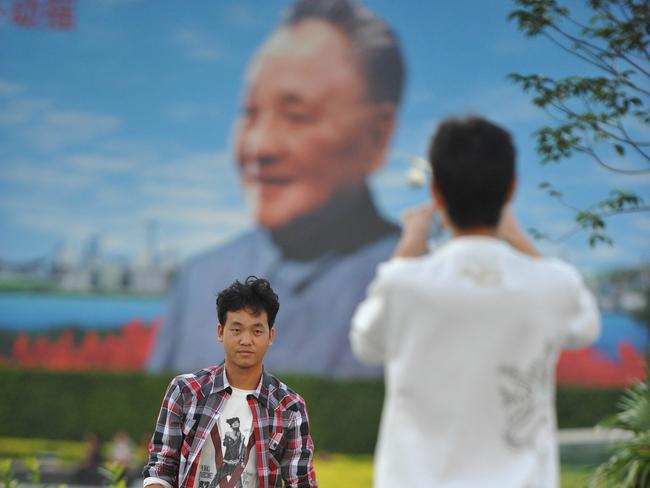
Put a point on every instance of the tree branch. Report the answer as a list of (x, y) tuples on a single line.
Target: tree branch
[(606, 68), (595, 51), (627, 139), (632, 143), (604, 215), (592, 153), (628, 17)]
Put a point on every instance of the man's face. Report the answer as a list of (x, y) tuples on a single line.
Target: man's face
[(306, 129), (245, 337)]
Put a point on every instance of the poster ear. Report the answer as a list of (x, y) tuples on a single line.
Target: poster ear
[(384, 121), (381, 125)]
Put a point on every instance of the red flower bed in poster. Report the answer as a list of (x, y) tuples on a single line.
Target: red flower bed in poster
[(591, 367), (127, 349)]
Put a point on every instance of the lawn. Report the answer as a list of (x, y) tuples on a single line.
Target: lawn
[(333, 470), (344, 471)]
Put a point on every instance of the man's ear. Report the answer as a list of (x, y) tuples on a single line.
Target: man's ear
[(511, 191), (440, 205), (271, 335), (219, 332), (437, 196)]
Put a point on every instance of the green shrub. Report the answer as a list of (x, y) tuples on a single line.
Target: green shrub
[(68, 405), (584, 407), (344, 414)]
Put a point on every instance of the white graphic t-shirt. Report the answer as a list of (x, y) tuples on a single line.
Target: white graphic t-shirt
[(235, 427)]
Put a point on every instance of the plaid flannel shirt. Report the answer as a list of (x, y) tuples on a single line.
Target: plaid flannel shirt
[(191, 407)]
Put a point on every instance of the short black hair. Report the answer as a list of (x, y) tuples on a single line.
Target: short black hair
[(473, 165), (254, 295), (375, 43)]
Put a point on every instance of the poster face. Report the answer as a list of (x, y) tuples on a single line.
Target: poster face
[(150, 157)]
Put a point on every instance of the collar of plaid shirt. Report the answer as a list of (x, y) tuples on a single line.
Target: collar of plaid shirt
[(261, 393), (211, 391)]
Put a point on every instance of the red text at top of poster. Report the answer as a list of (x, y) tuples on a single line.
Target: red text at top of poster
[(52, 14)]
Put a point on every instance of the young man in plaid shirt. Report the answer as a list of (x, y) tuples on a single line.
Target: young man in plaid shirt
[(234, 425)]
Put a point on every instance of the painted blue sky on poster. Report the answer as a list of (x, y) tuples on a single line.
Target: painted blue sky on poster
[(127, 119)]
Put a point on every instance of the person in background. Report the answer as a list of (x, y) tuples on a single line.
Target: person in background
[(470, 333), (320, 103), (122, 449), (88, 471)]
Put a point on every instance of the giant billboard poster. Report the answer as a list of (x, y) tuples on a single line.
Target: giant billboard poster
[(153, 153)]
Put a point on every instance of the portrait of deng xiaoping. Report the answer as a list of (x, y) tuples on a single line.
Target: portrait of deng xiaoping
[(319, 107)]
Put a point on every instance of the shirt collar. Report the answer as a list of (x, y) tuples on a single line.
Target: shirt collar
[(261, 393), (473, 240)]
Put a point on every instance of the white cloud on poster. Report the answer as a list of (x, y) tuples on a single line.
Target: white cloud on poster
[(115, 194), (504, 103), (198, 45), (22, 110), (183, 111), (243, 16), (10, 88), (59, 128), (508, 46), (101, 164), (642, 223), (43, 126), (38, 179)]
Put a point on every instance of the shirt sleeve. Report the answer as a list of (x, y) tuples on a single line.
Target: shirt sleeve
[(370, 321), (297, 464), (583, 323), (165, 445)]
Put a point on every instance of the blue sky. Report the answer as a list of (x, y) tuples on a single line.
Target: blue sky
[(127, 119)]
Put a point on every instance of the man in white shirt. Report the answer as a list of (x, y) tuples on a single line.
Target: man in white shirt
[(469, 334)]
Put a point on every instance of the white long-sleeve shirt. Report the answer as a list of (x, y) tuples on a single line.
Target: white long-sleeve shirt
[(469, 337)]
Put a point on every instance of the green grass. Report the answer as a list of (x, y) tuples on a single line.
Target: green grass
[(354, 471), (13, 447), (574, 476), (344, 471), (333, 470)]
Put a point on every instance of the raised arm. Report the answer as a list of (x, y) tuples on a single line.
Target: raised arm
[(416, 228), (511, 232)]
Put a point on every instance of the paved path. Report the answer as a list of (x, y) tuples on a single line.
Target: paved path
[(595, 435)]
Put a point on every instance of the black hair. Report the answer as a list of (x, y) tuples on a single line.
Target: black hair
[(473, 165), (375, 43), (254, 295)]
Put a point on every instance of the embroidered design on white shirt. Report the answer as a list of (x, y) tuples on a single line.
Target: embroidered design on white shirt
[(525, 395), (483, 276)]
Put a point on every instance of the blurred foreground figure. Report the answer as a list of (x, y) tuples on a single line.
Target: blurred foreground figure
[(234, 425), (469, 334), (319, 109)]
